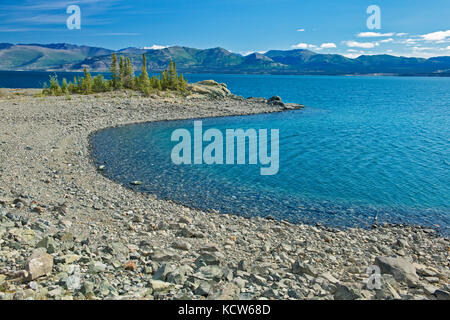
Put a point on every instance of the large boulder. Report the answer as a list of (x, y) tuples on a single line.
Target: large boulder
[(346, 291), (209, 88), (39, 264), (400, 268), (276, 101)]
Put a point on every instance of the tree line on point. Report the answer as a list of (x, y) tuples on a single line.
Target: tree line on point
[(122, 77)]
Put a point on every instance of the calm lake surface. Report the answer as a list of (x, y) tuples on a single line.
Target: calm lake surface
[(363, 147)]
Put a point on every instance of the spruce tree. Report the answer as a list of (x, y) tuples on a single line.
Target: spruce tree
[(145, 81), (172, 75), (87, 82), (121, 72), (64, 86), (128, 74), (114, 73), (182, 83)]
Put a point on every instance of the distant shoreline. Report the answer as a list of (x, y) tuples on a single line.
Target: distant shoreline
[(32, 83), (187, 72)]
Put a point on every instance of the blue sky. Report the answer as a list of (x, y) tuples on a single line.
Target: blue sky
[(408, 27)]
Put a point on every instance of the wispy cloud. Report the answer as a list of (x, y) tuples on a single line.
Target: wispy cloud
[(374, 34), (301, 30), (155, 47), (436, 36), (328, 45), (29, 14), (303, 46), (365, 45)]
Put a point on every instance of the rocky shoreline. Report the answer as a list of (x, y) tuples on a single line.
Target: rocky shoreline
[(67, 232)]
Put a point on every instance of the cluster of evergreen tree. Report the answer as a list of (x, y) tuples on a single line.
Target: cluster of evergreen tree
[(122, 77)]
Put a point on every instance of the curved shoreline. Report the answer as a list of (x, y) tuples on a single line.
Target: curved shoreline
[(124, 244)]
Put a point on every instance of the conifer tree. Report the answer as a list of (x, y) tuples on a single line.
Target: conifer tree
[(128, 74), (87, 82), (165, 80), (114, 72), (121, 72), (145, 81), (64, 86), (54, 87), (172, 75), (182, 83)]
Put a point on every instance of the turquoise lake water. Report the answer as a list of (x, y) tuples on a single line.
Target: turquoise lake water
[(363, 147)]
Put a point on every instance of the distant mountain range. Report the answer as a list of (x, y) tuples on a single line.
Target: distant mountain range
[(67, 57)]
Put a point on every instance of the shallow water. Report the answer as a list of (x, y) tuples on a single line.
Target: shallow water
[(363, 147)]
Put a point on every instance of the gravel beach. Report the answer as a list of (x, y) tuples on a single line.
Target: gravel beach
[(67, 232)]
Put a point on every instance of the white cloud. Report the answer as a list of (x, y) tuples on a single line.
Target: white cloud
[(304, 46), (410, 41), (300, 30), (448, 48), (401, 34), (328, 45), (387, 40), (374, 34), (155, 47), (365, 45), (423, 48), (436, 36)]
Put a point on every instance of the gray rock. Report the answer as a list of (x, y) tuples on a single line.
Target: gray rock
[(190, 233), (176, 277), (442, 295), (160, 255), (402, 243), (299, 267), (208, 259), (346, 292), (117, 249), (39, 265), (160, 286), (49, 244), (87, 287), (73, 283), (97, 267), (203, 289), (400, 268), (432, 279), (243, 265), (162, 272), (182, 245), (327, 276), (224, 291), (211, 272), (270, 293)]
